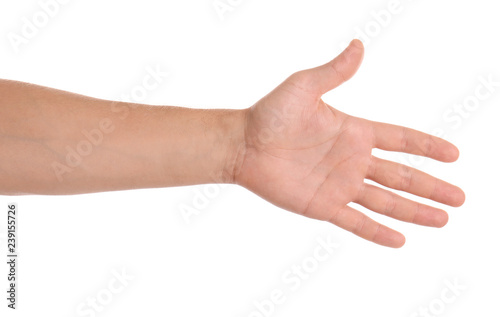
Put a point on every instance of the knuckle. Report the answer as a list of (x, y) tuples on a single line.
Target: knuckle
[(390, 205), (360, 225), (405, 177), (418, 210), (428, 145), (378, 231), (334, 216), (302, 80), (404, 139), (338, 72)]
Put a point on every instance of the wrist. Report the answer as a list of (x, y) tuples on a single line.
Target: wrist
[(233, 123)]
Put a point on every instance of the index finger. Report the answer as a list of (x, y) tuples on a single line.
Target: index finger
[(391, 137)]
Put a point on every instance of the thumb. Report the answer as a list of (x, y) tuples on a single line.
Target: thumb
[(340, 69)]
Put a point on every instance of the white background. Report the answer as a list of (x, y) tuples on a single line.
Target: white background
[(419, 66)]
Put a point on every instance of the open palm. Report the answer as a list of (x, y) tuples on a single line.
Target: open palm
[(307, 157)]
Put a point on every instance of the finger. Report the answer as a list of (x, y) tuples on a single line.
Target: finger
[(389, 204), (411, 180), (397, 138), (358, 223), (340, 69)]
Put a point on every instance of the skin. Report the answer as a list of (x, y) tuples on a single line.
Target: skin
[(290, 148)]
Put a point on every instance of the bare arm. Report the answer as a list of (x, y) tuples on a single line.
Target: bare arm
[(55, 142)]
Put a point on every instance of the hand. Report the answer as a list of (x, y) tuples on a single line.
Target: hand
[(309, 158)]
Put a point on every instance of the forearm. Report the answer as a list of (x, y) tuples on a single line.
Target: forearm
[(54, 142)]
